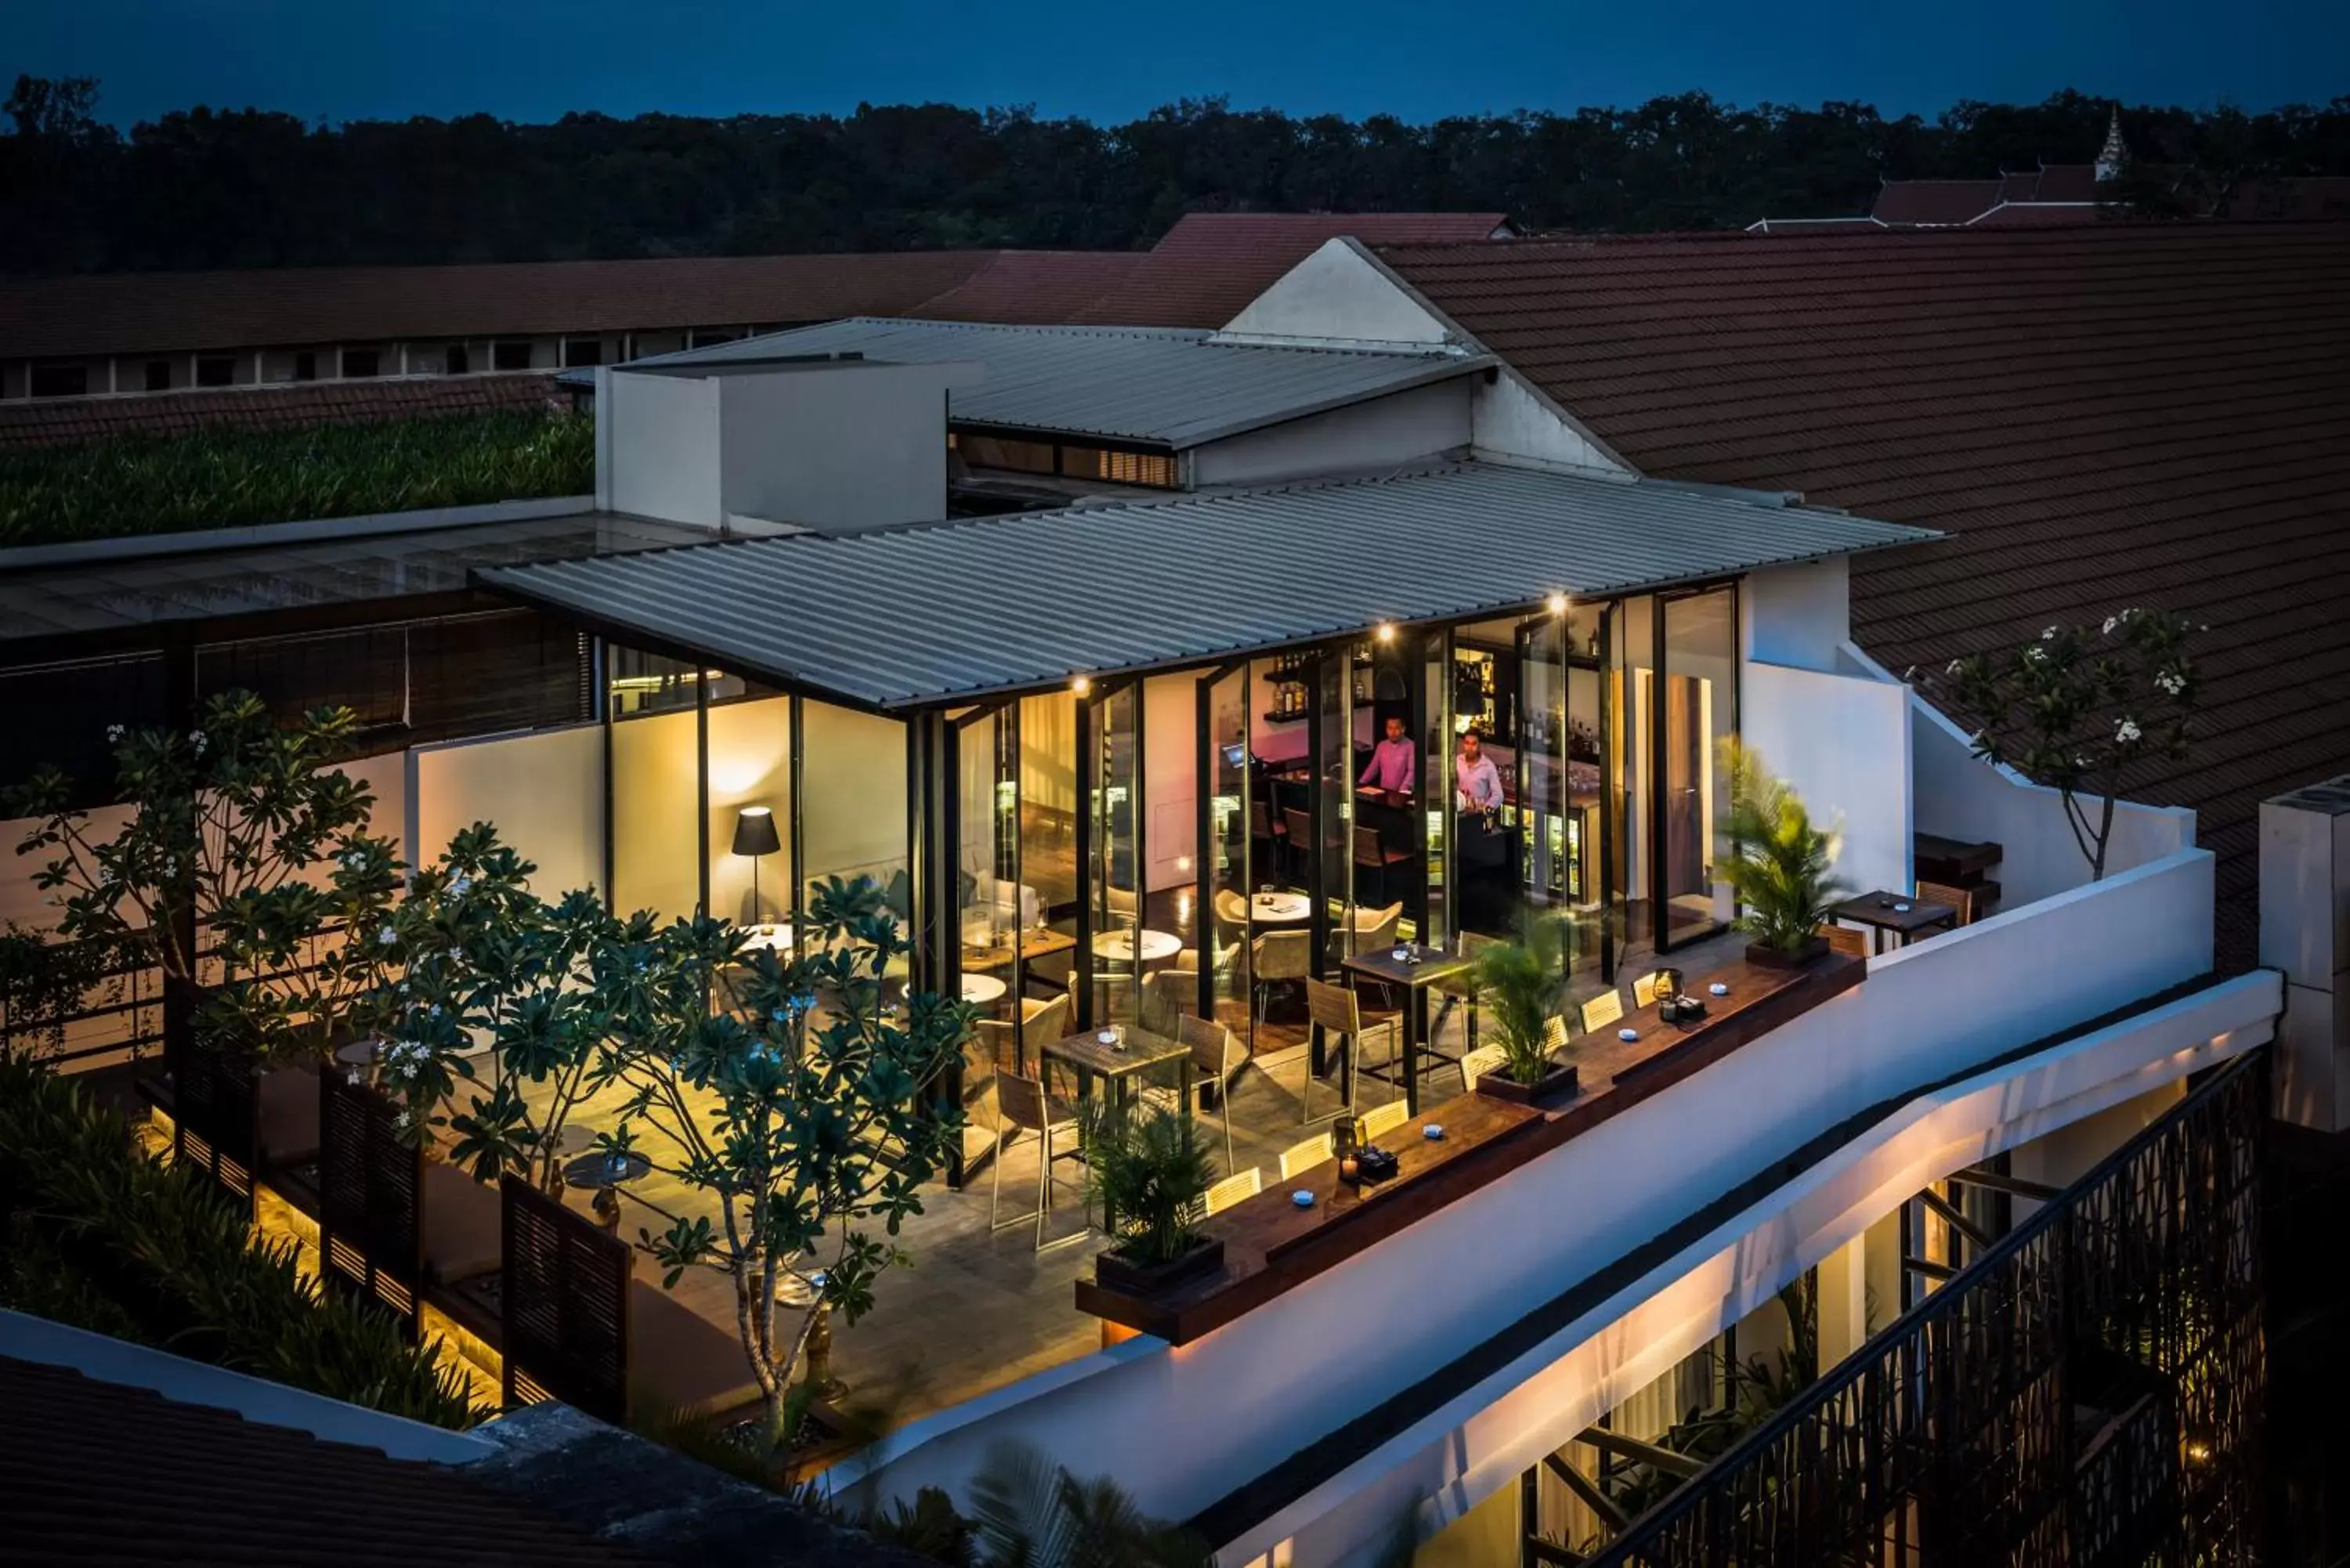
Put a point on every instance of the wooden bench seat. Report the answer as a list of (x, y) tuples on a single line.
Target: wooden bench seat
[(682, 1360), (463, 1240)]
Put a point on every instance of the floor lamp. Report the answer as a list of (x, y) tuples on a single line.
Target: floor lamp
[(754, 835)]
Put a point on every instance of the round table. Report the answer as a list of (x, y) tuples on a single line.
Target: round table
[(1279, 908), (359, 1053), (1119, 947), (776, 939), (601, 1173), (980, 989)]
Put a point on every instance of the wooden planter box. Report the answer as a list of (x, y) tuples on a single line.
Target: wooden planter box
[(1558, 1084), (1764, 957), (1113, 1272)]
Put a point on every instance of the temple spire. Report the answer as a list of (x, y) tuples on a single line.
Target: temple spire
[(2114, 155)]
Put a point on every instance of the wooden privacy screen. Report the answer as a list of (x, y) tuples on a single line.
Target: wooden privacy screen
[(565, 1292), (216, 1116), (370, 1198)]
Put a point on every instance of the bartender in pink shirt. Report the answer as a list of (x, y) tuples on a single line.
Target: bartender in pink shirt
[(1395, 762)]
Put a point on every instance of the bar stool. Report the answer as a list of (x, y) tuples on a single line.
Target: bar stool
[(1337, 1011)]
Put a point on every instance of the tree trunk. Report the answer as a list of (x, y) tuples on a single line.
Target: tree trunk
[(2105, 835)]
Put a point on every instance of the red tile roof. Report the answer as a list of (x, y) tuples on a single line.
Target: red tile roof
[(104, 1476), (1210, 265), (1030, 288), (137, 313), (1936, 201), (2101, 416), (55, 422)]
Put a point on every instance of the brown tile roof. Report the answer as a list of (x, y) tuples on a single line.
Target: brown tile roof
[(1936, 201), (1030, 288), (133, 313), (104, 1476), (2106, 416), (1209, 265), (55, 422)]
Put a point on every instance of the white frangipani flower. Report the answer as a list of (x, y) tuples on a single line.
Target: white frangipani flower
[(114, 732), (2125, 732), (387, 936), (2111, 622), (2048, 636)]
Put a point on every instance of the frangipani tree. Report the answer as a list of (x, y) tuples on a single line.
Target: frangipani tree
[(2077, 706), (248, 844), (808, 1121)]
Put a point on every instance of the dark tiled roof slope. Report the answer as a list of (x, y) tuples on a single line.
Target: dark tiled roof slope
[(1210, 265), (1033, 288), (2126, 415), (99, 1475), (140, 313), (54, 422)]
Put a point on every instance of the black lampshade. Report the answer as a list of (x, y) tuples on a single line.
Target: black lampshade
[(755, 831)]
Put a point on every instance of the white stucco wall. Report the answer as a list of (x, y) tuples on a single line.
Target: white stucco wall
[(1425, 423), (1842, 742), (839, 448), (662, 433), (1799, 616), (1337, 293), (1513, 424)]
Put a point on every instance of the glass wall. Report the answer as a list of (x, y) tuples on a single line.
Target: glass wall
[(1700, 711), (750, 809), (1112, 722), (1237, 832), (1628, 745), (853, 800), (655, 780)]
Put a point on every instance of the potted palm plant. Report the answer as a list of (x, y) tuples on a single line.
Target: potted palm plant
[(1778, 863), (1150, 1173), (1521, 983)]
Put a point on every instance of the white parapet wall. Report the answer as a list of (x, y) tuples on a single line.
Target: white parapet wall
[(1183, 1426), (1842, 742)]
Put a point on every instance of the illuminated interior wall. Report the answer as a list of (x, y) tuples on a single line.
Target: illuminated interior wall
[(1171, 795), (545, 792), (750, 765), (656, 813), (853, 796)]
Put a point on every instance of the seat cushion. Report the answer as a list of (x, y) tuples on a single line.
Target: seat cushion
[(461, 1226), (682, 1359)]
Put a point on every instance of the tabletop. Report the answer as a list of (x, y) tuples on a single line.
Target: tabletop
[(1278, 908), (603, 1170), (981, 989), (1119, 946), (359, 1053), (1894, 912), (1271, 1224), (1032, 944), (769, 937), (1139, 1050), (1418, 965)]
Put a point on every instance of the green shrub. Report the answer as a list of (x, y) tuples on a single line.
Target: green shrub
[(222, 477), (98, 1234)]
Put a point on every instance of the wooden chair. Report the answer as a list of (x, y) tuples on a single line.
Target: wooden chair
[(1022, 1106), (1168, 995), (1233, 1188), (1963, 899), (1848, 939), (1462, 988), (1385, 1118), (1554, 1032), (1217, 1059), (1484, 1059), (1041, 1024), (1279, 956), (1231, 909), (1644, 990), (1263, 830), (1297, 833), (1305, 1154), (1374, 855), (1339, 1013), (1602, 1011)]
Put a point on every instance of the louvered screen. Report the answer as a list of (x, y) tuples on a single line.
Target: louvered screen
[(565, 1302), (370, 1197), (216, 1116)]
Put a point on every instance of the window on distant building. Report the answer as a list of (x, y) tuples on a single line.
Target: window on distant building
[(1018, 456), (306, 367), (510, 355), (159, 374), (1156, 470), (361, 363), (59, 380), (456, 362), (583, 351), (215, 371)]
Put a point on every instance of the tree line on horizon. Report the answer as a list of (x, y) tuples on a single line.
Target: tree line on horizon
[(208, 188)]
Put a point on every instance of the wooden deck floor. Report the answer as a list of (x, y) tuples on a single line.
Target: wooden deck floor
[(981, 1307)]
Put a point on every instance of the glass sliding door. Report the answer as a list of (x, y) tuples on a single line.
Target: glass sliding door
[(1228, 845), (987, 914), (1113, 948), (1631, 751), (1697, 710)]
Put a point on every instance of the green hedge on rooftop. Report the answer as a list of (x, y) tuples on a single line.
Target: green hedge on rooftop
[(224, 477)]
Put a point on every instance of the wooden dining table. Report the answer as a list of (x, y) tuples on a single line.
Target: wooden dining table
[(1120, 1063), (1419, 968)]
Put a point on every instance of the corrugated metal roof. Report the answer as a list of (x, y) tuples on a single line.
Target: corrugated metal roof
[(951, 610), (1165, 385)]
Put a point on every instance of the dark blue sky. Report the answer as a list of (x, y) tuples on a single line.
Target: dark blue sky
[(532, 60)]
